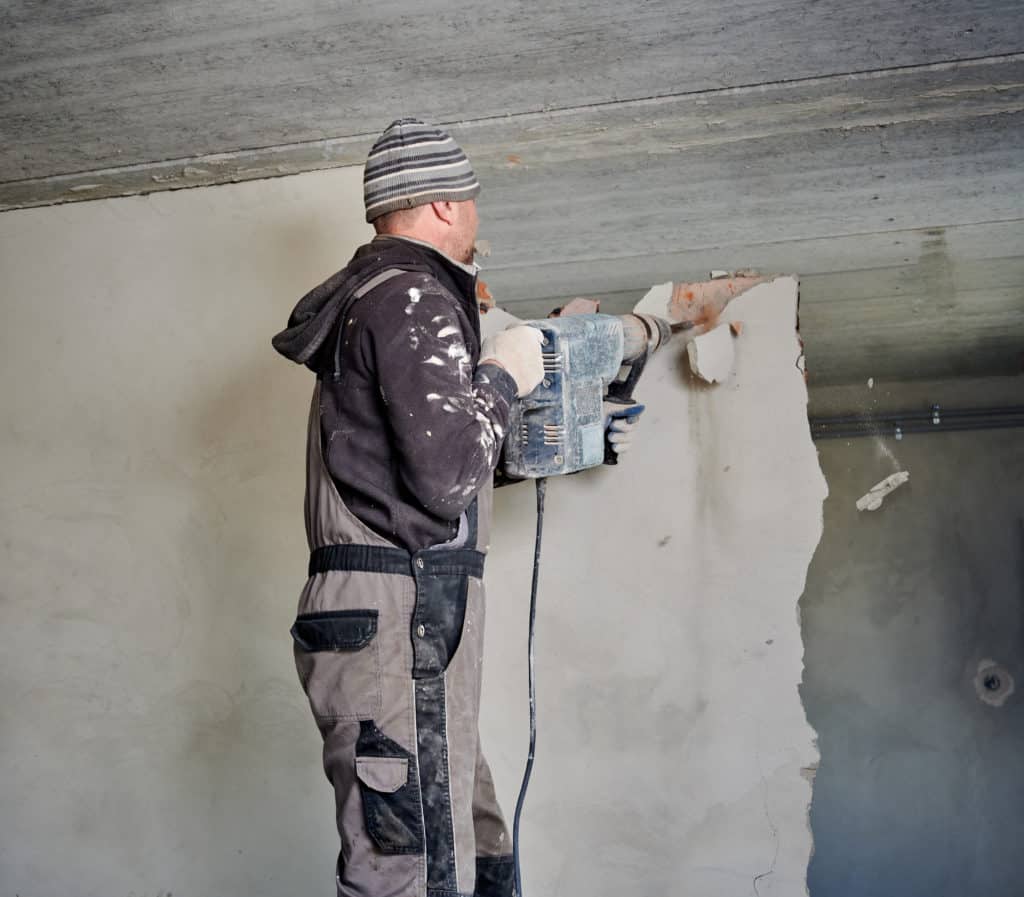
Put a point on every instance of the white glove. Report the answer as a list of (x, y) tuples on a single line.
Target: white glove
[(620, 426), (517, 350)]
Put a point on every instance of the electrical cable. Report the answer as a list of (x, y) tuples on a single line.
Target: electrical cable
[(541, 489)]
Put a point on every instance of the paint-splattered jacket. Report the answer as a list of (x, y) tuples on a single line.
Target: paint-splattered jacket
[(412, 427)]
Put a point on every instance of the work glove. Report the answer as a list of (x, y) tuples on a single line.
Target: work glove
[(619, 428), (517, 350)]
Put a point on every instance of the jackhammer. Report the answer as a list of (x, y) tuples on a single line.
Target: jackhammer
[(559, 428)]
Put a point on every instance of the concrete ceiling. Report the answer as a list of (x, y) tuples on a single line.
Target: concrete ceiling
[(875, 147)]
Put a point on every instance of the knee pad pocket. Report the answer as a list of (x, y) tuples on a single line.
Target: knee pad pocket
[(389, 787)]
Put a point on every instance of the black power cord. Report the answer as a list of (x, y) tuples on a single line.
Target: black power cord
[(541, 489)]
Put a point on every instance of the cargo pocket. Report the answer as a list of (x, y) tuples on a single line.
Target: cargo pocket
[(389, 787), (338, 661)]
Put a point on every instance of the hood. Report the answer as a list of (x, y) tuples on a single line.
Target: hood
[(316, 313)]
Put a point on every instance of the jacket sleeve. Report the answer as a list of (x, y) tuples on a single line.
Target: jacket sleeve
[(448, 418)]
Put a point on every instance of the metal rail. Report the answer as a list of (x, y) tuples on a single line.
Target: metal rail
[(896, 424)]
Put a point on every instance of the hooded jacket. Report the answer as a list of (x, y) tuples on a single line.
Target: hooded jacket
[(411, 426)]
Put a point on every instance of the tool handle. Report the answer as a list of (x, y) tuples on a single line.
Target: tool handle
[(629, 408), (622, 390)]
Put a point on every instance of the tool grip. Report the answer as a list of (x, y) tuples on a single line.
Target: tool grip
[(629, 408), (622, 390)]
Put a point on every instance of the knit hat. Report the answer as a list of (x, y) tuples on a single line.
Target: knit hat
[(413, 163)]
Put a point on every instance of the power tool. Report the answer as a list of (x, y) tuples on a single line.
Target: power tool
[(588, 360), (559, 428)]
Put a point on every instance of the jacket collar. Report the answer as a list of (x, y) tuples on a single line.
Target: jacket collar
[(460, 278), (471, 270)]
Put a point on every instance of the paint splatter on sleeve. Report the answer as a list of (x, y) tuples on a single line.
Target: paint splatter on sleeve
[(448, 419)]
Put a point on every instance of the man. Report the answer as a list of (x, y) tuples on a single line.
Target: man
[(405, 430)]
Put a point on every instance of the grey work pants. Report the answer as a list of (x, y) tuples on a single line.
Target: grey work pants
[(415, 801)]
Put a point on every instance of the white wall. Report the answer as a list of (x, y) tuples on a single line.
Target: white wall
[(153, 736)]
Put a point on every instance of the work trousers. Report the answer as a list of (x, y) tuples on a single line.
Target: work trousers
[(388, 646)]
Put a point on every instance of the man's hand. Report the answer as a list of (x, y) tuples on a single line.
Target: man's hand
[(620, 426), (517, 350)]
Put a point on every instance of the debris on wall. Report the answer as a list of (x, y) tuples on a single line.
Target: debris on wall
[(712, 355), (873, 498), (701, 302)]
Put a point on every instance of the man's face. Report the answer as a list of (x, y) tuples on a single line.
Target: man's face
[(464, 232)]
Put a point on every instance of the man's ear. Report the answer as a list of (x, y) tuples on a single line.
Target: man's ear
[(443, 210)]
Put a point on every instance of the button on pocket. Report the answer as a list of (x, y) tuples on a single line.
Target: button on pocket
[(338, 660)]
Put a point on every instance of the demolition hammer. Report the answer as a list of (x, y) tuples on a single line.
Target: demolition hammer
[(559, 428), (588, 360)]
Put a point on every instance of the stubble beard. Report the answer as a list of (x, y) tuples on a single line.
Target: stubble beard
[(466, 252)]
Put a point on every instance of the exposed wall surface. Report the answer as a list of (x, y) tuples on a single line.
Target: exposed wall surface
[(922, 760), (153, 736)]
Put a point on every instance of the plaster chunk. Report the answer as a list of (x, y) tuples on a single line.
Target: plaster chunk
[(712, 355), (700, 302), (873, 498)]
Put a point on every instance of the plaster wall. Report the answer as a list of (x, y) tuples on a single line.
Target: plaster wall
[(921, 779), (153, 736)]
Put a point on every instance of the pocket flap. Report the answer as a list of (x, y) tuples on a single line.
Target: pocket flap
[(384, 774), (337, 630)]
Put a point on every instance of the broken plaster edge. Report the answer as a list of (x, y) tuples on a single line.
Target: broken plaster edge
[(657, 301), (802, 771)]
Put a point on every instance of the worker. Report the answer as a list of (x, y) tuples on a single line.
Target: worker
[(406, 426)]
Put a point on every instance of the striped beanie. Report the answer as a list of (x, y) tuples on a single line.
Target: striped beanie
[(413, 163)]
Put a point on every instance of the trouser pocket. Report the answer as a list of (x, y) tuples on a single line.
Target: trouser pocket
[(337, 656), (389, 787)]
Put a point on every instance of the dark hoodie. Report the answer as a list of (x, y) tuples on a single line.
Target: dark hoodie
[(412, 428)]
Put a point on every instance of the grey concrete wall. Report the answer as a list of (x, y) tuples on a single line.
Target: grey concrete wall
[(921, 782), (153, 736), (152, 739)]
